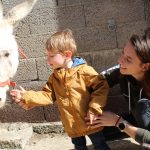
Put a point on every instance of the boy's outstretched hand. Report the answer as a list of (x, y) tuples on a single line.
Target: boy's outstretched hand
[(17, 97), (17, 94)]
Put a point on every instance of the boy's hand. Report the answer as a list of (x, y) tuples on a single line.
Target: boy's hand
[(92, 117), (25, 106), (17, 94)]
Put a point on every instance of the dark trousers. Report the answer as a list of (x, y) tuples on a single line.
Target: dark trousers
[(97, 140), (142, 113)]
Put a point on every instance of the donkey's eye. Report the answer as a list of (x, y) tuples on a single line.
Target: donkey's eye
[(6, 54)]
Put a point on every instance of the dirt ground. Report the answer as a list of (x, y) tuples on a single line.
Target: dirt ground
[(63, 142)]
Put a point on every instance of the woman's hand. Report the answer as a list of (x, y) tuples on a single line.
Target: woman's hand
[(106, 119)]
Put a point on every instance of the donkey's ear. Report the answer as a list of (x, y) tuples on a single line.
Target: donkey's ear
[(20, 11)]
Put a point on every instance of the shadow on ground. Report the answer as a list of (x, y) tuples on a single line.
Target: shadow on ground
[(121, 145)]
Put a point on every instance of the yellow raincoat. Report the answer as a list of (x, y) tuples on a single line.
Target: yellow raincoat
[(76, 91)]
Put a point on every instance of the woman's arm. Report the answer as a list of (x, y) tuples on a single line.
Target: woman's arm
[(111, 119), (142, 136), (130, 130)]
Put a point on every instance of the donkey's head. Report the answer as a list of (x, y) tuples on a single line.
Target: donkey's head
[(9, 56)]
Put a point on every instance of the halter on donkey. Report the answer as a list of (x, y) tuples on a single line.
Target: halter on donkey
[(9, 57)]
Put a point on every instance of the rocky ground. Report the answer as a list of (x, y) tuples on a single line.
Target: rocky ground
[(48, 136)]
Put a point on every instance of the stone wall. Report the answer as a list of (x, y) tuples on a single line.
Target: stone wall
[(101, 28)]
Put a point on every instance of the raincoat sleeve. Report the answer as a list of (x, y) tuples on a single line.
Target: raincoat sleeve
[(99, 90), (44, 97)]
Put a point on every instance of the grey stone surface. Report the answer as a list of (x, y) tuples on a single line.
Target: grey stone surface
[(14, 113), (44, 136), (70, 17), (49, 136), (46, 128), (99, 12), (95, 38), (147, 10), (33, 46), (87, 56), (51, 113), (63, 142), (26, 71), (14, 136), (105, 59), (44, 69), (32, 85), (125, 30)]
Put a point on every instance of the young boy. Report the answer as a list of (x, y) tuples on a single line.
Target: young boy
[(76, 87)]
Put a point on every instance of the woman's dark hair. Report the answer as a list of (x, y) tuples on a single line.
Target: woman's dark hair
[(142, 48)]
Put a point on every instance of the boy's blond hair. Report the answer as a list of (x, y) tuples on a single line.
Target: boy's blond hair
[(62, 41)]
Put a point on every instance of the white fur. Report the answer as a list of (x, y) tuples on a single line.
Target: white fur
[(9, 57)]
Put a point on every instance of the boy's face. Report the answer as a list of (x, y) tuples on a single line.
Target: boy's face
[(55, 60)]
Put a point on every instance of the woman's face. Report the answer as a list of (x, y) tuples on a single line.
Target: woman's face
[(129, 62)]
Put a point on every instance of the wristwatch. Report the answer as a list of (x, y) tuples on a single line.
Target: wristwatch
[(122, 125)]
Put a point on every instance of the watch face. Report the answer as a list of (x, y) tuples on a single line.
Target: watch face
[(121, 126)]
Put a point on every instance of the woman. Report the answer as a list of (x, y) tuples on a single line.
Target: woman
[(133, 75)]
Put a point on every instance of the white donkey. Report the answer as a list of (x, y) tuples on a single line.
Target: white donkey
[(9, 57)]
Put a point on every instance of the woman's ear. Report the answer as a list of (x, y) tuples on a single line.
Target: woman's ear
[(146, 66), (68, 53)]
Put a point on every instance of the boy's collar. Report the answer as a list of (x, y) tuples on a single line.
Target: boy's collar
[(69, 64)]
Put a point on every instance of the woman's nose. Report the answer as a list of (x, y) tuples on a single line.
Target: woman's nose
[(121, 59)]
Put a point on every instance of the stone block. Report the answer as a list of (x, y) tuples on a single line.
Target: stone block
[(125, 31), (51, 113), (22, 29), (45, 30), (87, 56), (99, 12), (14, 136), (68, 2), (33, 85), (26, 71), (47, 128), (14, 113), (64, 17), (43, 69), (102, 60), (147, 10), (74, 2), (45, 3), (33, 46), (95, 38)]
